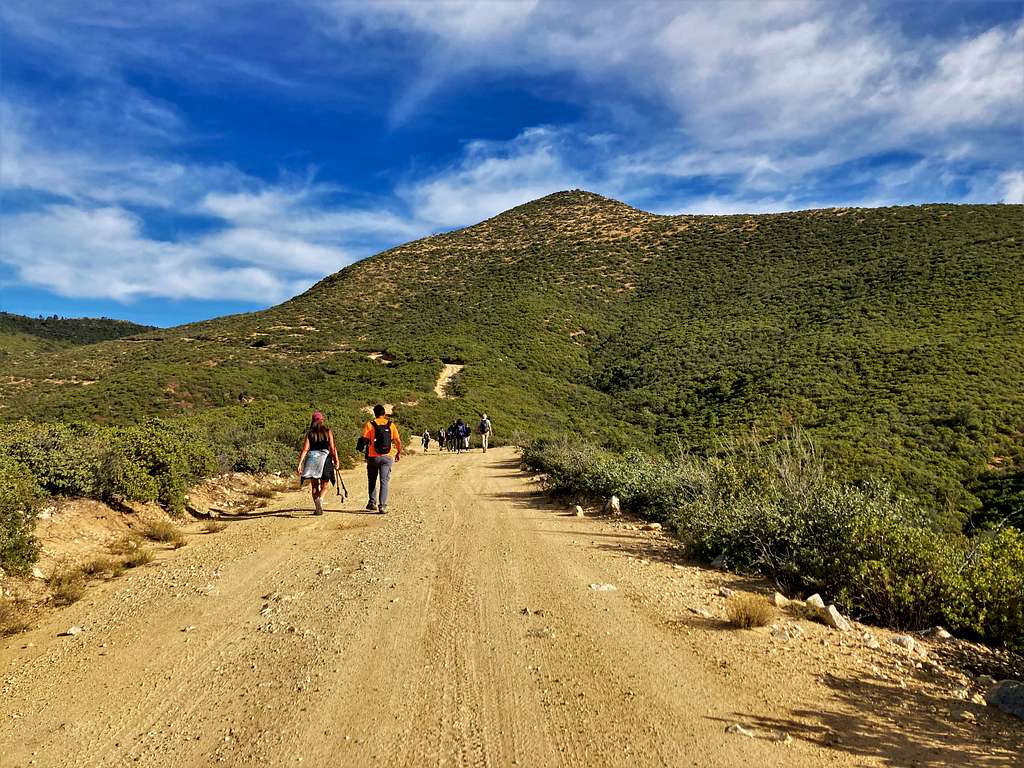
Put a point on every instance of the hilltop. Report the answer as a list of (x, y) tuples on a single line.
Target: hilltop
[(894, 336), (21, 335)]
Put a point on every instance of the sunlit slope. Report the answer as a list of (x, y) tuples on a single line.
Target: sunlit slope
[(895, 335)]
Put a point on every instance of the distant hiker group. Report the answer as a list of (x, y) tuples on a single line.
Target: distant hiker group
[(456, 436)]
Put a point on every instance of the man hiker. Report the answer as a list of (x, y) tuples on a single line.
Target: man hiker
[(440, 439), (484, 428), (383, 448)]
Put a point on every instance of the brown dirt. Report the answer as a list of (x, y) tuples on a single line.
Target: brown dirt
[(458, 630), (449, 372)]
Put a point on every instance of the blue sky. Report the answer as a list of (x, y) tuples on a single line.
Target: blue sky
[(166, 162)]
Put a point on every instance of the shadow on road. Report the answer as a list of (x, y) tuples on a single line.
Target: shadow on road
[(930, 733), (294, 512)]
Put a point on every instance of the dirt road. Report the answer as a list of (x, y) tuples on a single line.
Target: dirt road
[(459, 630)]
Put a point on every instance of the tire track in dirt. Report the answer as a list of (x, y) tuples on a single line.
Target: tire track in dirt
[(458, 630)]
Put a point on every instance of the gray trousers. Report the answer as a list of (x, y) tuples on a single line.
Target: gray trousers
[(379, 466)]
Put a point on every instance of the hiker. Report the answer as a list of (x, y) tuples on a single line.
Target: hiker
[(440, 439), (426, 440), (318, 460), (464, 433), (383, 447), (484, 427), (452, 440)]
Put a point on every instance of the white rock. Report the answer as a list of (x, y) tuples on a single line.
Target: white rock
[(72, 631), (870, 641), (597, 587), (739, 730), (904, 641), (38, 574), (652, 527), (815, 601), (835, 619), (781, 634), (701, 612), (579, 510), (779, 600), (725, 592), (614, 506), (940, 633)]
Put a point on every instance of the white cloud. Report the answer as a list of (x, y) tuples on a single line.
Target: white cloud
[(270, 239), (491, 177), (1013, 187), (102, 253), (712, 107)]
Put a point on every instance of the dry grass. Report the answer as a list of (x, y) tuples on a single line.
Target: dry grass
[(67, 585), (14, 617), (139, 557), (265, 493), (214, 526), (126, 545), (747, 610), (165, 532), (100, 565)]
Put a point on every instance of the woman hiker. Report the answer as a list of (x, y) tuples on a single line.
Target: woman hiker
[(318, 460), (426, 440)]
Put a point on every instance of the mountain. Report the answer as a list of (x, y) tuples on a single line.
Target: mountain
[(20, 334), (893, 336)]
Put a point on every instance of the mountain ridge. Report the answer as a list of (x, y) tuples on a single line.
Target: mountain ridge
[(893, 335)]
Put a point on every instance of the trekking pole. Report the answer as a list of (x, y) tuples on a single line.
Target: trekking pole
[(340, 487)]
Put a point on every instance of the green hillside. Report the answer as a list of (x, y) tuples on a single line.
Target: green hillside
[(894, 336), (21, 335)]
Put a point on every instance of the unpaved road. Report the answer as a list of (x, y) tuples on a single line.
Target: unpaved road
[(360, 640)]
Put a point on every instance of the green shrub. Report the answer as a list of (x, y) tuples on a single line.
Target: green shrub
[(264, 456), (122, 477), (992, 602), (775, 510), (172, 455), (61, 457), (19, 502)]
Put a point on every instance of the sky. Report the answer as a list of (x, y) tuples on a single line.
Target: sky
[(171, 161)]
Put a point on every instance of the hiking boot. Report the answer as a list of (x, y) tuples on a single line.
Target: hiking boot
[(371, 506), (382, 511), (319, 507)]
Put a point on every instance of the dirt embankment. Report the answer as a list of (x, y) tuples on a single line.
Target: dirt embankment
[(462, 629)]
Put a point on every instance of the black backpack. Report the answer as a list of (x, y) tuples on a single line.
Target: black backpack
[(382, 438)]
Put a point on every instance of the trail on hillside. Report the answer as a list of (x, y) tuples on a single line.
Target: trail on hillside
[(449, 372), (461, 629)]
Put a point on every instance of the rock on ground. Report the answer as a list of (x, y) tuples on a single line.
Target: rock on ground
[(1007, 695), (815, 601), (835, 619), (739, 730)]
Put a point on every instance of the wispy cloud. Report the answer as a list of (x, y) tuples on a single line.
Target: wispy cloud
[(711, 107)]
